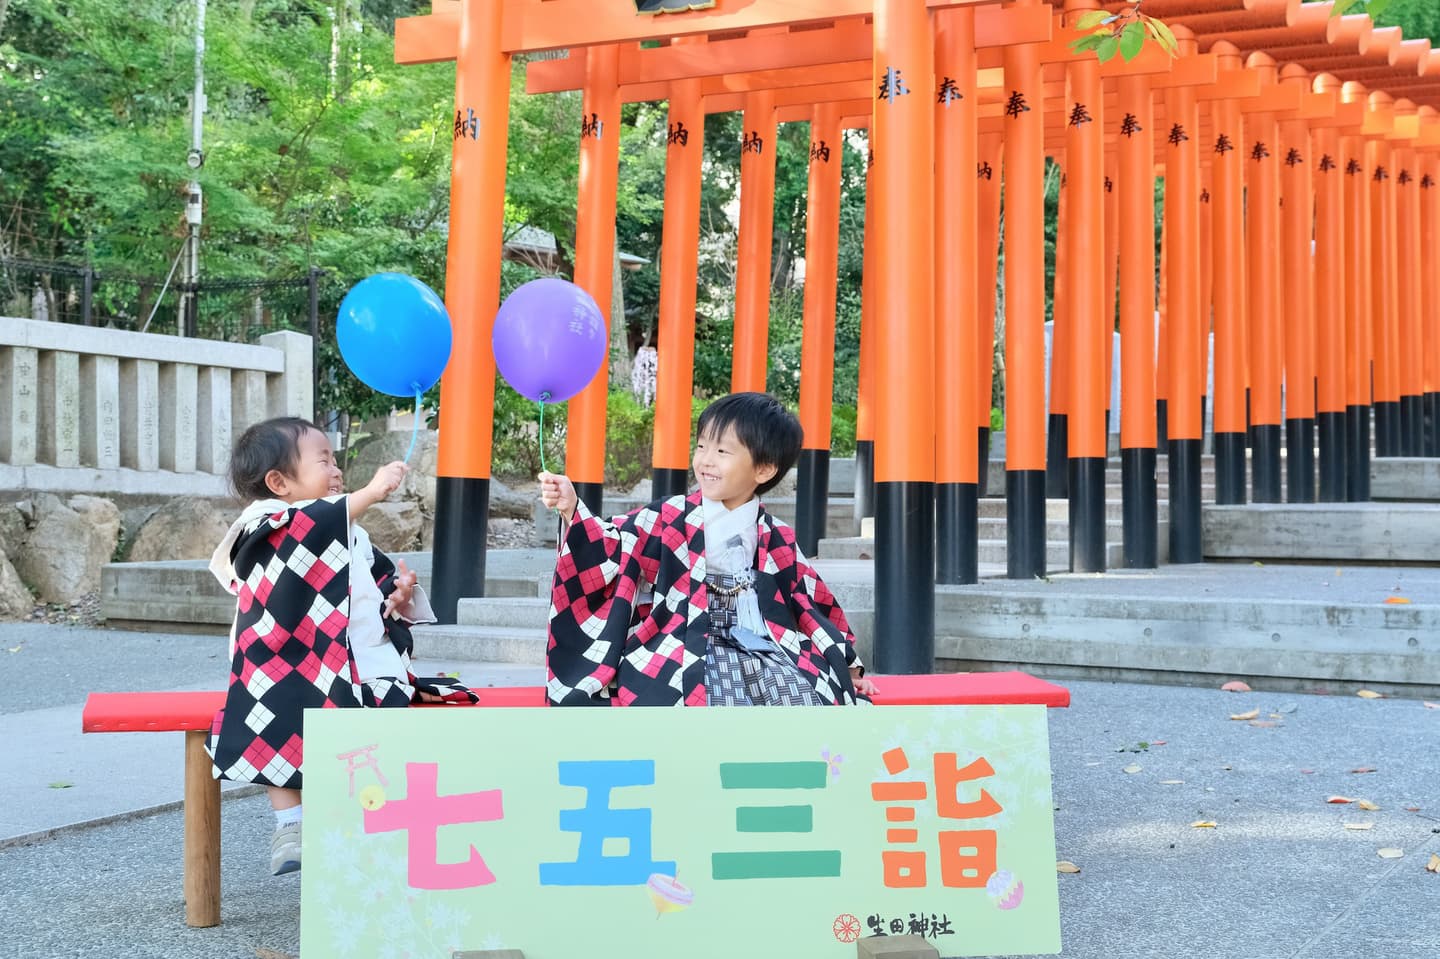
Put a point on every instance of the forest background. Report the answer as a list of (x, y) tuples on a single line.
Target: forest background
[(322, 154)]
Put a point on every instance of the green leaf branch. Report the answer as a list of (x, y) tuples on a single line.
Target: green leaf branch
[(1124, 33)]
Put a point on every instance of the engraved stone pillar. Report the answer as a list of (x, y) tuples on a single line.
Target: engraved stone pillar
[(140, 415), (292, 393), (58, 409), (178, 385), (213, 414), (19, 369), (249, 402), (100, 412)]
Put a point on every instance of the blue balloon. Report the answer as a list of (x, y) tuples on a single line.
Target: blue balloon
[(394, 334)]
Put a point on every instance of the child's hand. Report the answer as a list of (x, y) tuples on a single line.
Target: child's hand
[(558, 493), (387, 479), (863, 686), (399, 598)]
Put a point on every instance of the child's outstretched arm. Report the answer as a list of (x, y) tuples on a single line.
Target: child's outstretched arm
[(387, 480)]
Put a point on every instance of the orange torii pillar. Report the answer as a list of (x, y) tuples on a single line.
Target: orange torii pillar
[(1262, 242), (1057, 432), (988, 165), (472, 295), (1227, 230), (1110, 277), (753, 256), (1137, 322), (1297, 294), (817, 350), (903, 134), (1182, 283), (1329, 300), (1411, 366), (1089, 347), (956, 300), (594, 261), (865, 376), (1357, 307), (1384, 288), (1025, 424), (685, 148), (1430, 293)]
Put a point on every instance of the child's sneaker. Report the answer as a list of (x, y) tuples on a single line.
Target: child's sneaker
[(285, 849)]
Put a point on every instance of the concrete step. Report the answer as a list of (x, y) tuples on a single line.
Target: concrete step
[(994, 508), (1323, 532), (503, 612), (1406, 478), (495, 644), (183, 594), (1057, 529), (991, 551)]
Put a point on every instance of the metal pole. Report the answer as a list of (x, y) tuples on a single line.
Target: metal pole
[(195, 159)]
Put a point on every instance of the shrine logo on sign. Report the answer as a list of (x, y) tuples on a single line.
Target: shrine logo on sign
[(672, 6)]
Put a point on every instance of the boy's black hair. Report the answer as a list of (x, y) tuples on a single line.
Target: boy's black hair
[(271, 445), (768, 431)]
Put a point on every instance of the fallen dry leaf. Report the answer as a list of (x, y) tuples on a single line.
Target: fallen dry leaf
[(1236, 686), (1363, 769), (1171, 782), (1157, 742), (1434, 864), (1359, 825), (1252, 714), (1339, 799), (1276, 716), (1264, 723), (1202, 824), (1390, 852), (1067, 866), (1426, 705), (1369, 694), (1396, 600), (1132, 768), (1307, 772), (1367, 805), (16, 649), (1412, 808)]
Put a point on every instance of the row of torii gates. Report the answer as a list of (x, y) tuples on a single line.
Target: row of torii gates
[(1300, 154)]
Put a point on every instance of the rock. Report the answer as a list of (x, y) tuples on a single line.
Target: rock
[(12, 529), (185, 528), (375, 451), (15, 598), (505, 503), (130, 522), (68, 544), (393, 526)]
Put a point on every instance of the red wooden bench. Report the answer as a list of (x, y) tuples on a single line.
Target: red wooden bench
[(192, 714)]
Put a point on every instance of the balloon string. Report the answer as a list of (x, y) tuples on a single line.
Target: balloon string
[(415, 430), (541, 404)]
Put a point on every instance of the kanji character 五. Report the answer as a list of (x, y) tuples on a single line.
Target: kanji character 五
[(596, 821)]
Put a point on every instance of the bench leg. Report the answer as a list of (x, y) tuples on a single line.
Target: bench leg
[(202, 835)]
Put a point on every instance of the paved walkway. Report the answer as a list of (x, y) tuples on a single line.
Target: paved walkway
[(1278, 876)]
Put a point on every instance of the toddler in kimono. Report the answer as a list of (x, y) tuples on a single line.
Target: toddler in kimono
[(322, 618), (624, 624)]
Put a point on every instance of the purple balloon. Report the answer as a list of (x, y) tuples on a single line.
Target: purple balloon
[(549, 340)]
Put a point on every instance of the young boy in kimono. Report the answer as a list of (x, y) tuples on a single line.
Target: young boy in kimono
[(322, 618), (699, 599)]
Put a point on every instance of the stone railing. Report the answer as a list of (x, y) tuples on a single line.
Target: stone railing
[(106, 411)]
